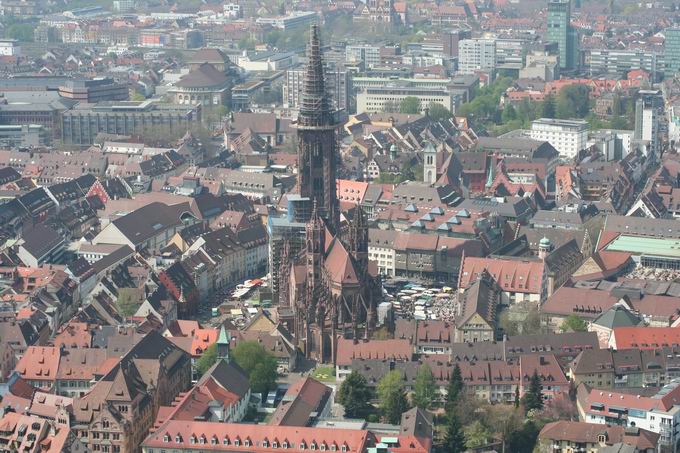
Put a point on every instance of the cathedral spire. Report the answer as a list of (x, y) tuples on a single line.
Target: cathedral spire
[(314, 106), (317, 142)]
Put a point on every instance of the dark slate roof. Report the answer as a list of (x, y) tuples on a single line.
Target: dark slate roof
[(147, 221), (205, 76), (113, 258), (9, 174), (40, 240), (230, 376)]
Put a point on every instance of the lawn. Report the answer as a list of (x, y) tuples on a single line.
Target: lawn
[(324, 374)]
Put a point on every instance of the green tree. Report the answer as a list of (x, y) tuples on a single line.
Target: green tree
[(392, 396), (355, 396), (517, 399), (454, 389), (410, 104), (207, 359), (573, 323), (424, 388), (438, 112), (523, 440), (509, 114), (476, 434), (259, 365), (533, 398), (454, 439), (20, 32), (573, 101), (548, 107)]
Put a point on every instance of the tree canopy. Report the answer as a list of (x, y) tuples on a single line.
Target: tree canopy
[(410, 104), (207, 359), (355, 396), (573, 323), (455, 388), (424, 389), (533, 398), (259, 365), (393, 401), (454, 439), (438, 112)]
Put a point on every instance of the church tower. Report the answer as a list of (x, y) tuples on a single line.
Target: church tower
[(430, 164), (316, 129), (223, 347)]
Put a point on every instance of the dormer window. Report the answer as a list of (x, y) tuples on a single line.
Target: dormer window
[(178, 439), (193, 439), (213, 440), (275, 444), (247, 443), (343, 449), (302, 445), (312, 446), (284, 444), (202, 440), (225, 441), (166, 438), (237, 442), (265, 443), (333, 447), (323, 447)]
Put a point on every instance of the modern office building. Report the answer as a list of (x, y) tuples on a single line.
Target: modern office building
[(337, 80), (388, 98), (510, 53), (23, 136), (367, 54), (94, 90), (80, 125), (672, 51), (450, 40), (567, 136), (561, 32), (294, 20), (620, 62), (476, 55), (648, 116)]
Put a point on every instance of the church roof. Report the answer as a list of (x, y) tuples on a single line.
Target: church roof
[(339, 264)]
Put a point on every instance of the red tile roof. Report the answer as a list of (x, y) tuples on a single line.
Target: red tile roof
[(209, 436), (645, 337), (513, 275), (372, 349), (39, 363)]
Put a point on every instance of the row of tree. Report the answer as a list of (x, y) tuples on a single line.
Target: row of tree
[(467, 423)]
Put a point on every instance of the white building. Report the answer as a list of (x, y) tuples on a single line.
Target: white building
[(293, 20), (366, 53), (648, 116), (388, 98), (476, 55), (9, 48), (567, 136), (659, 413)]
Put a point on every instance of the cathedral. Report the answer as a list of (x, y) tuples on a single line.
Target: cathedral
[(328, 283)]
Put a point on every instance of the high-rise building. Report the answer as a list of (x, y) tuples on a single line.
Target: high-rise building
[(561, 32), (337, 87), (476, 55), (648, 116), (450, 40), (326, 284), (672, 51)]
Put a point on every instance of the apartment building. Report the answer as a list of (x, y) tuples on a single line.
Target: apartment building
[(569, 137)]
